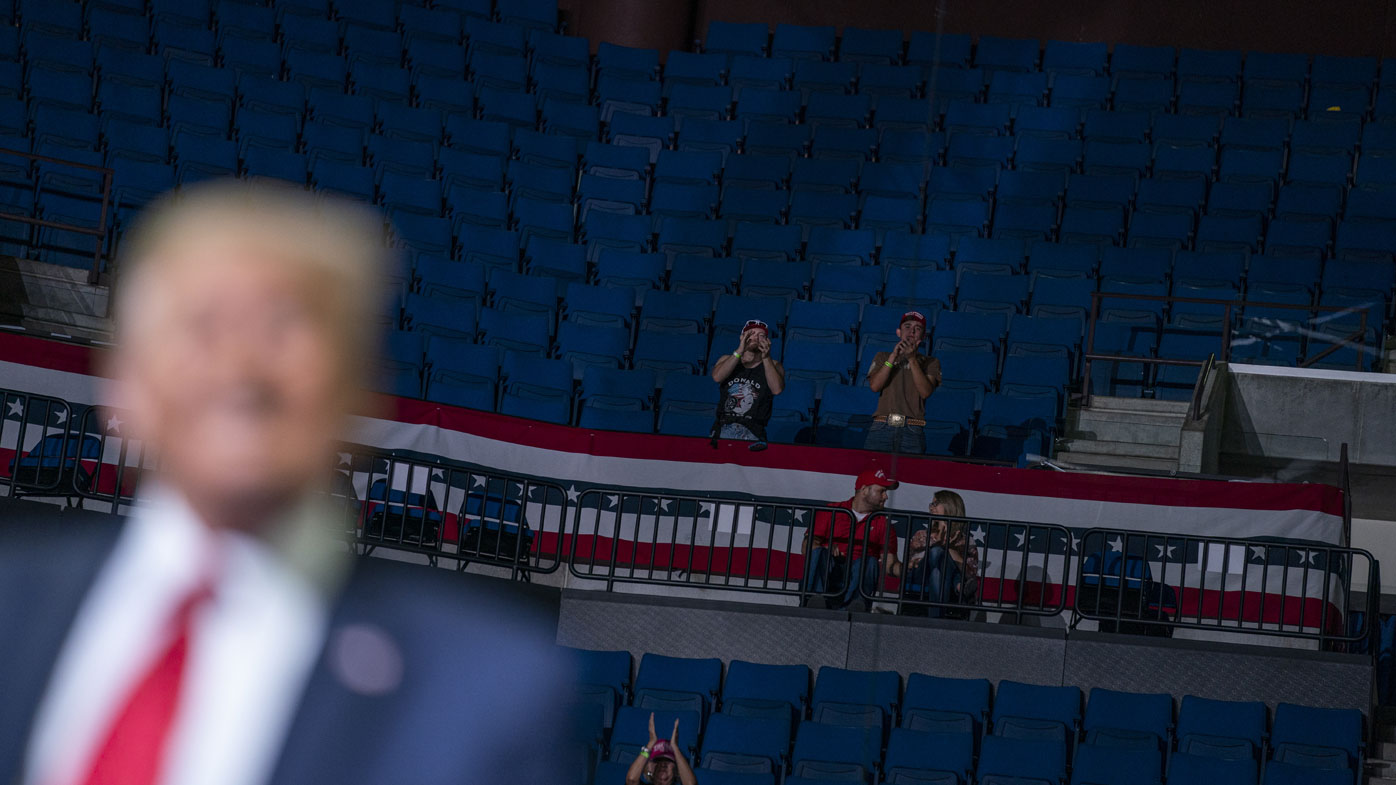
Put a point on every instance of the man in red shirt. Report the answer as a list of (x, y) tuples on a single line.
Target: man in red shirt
[(836, 562)]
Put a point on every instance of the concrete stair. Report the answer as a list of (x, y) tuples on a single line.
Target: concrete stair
[(1123, 433), (53, 298)]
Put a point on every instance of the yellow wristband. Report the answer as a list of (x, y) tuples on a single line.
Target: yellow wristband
[(644, 752), (888, 364)]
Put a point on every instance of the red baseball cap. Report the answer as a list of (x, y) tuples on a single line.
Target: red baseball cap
[(913, 316), (756, 324), (875, 476), (661, 750)]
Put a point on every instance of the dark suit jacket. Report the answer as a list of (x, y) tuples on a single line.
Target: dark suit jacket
[(475, 702)]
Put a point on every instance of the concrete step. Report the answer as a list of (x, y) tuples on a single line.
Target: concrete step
[(1109, 403), (1106, 462), (1385, 749), (1139, 427), (1124, 449)]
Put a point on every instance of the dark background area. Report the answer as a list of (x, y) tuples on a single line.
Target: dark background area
[(1356, 27)]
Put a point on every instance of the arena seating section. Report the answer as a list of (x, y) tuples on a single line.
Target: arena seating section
[(584, 234), (762, 723)]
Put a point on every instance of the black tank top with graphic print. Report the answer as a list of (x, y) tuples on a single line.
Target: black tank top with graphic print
[(746, 399)]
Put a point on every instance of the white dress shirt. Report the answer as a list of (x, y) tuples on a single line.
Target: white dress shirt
[(252, 648)]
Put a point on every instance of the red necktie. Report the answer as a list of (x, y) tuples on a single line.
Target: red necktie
[(134, 748)]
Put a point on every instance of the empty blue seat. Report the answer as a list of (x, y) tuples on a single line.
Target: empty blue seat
[(746, 744), (942, 758), (844, 414), (1317, 738), (463, 374), (1129, 719), (675, 312), (736, 38), (449, 318), (1187, 769), (1116, 766), (1232, 730), (753, 689), (944, 705), (592, 345), (824, 751), (870, 46), (841, 695), (950, 49), (1143, 94), (514, 331), (1008, 761), (1010, 425)]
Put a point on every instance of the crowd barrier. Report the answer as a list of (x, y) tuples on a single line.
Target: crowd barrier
[(913, 564)]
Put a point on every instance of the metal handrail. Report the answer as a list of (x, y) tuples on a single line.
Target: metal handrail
[(1208, 570), (1229, 307), (100, 232), (1196, 408)]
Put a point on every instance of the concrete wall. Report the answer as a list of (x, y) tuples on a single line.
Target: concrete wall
[(730, 631), (1307, 414)]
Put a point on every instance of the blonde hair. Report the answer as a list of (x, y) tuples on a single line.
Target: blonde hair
[(338, 242), (955, 507)]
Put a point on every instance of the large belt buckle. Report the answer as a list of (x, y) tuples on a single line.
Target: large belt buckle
[(896, 420)]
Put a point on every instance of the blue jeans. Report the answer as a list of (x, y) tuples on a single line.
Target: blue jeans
[(935, 579), (895, 438), (825, 574)]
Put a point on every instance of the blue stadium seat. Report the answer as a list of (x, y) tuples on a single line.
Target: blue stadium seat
[(590, 345), (949, 49), (1070, 57), (746, 744), (1231, 730), (1117, 126), (675, 312), (1008, 54), (633, 62), (1011, 424), (448, 318), (1116, 158), (1128, 719), (860, 45), (1116, 766), (1111, 190), (516, 332), (941, 758), (671, 681), (914, 250), (758, 690), (1317, 738), (1009, 761), (1241, 199), (844, 414), (1144, 94), (599, 305), (736, 38), (1280, 773), (691, 274), (1079, 91), (462, 374), (824, 752), (913, 288), (887, 80), (671, 353), (803, 41), (841, 696), (943, 705), (1188, 769)]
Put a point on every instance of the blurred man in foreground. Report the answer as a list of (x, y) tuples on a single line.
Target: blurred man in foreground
[(216, 637)]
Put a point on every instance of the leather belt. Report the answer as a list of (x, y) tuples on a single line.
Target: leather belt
[(898, 420)]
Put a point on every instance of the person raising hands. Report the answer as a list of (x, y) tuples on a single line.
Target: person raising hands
[(661, 762)]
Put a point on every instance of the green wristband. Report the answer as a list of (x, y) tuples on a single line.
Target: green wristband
[(888, 364)]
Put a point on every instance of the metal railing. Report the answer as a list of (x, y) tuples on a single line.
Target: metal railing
[(1125, 580), (43, 453), (98, 234), (451, 512), (1197, 408), (1152, 583), (621, 536), (958, 567), (1228, 309)]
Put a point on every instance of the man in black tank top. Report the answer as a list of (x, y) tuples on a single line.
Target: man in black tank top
[(749, 379)]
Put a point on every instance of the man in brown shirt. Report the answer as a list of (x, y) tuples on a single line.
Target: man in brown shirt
[(905, 378)]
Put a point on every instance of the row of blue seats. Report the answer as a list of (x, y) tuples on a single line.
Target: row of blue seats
[(743, 723), (113, 17), (844, 297)]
